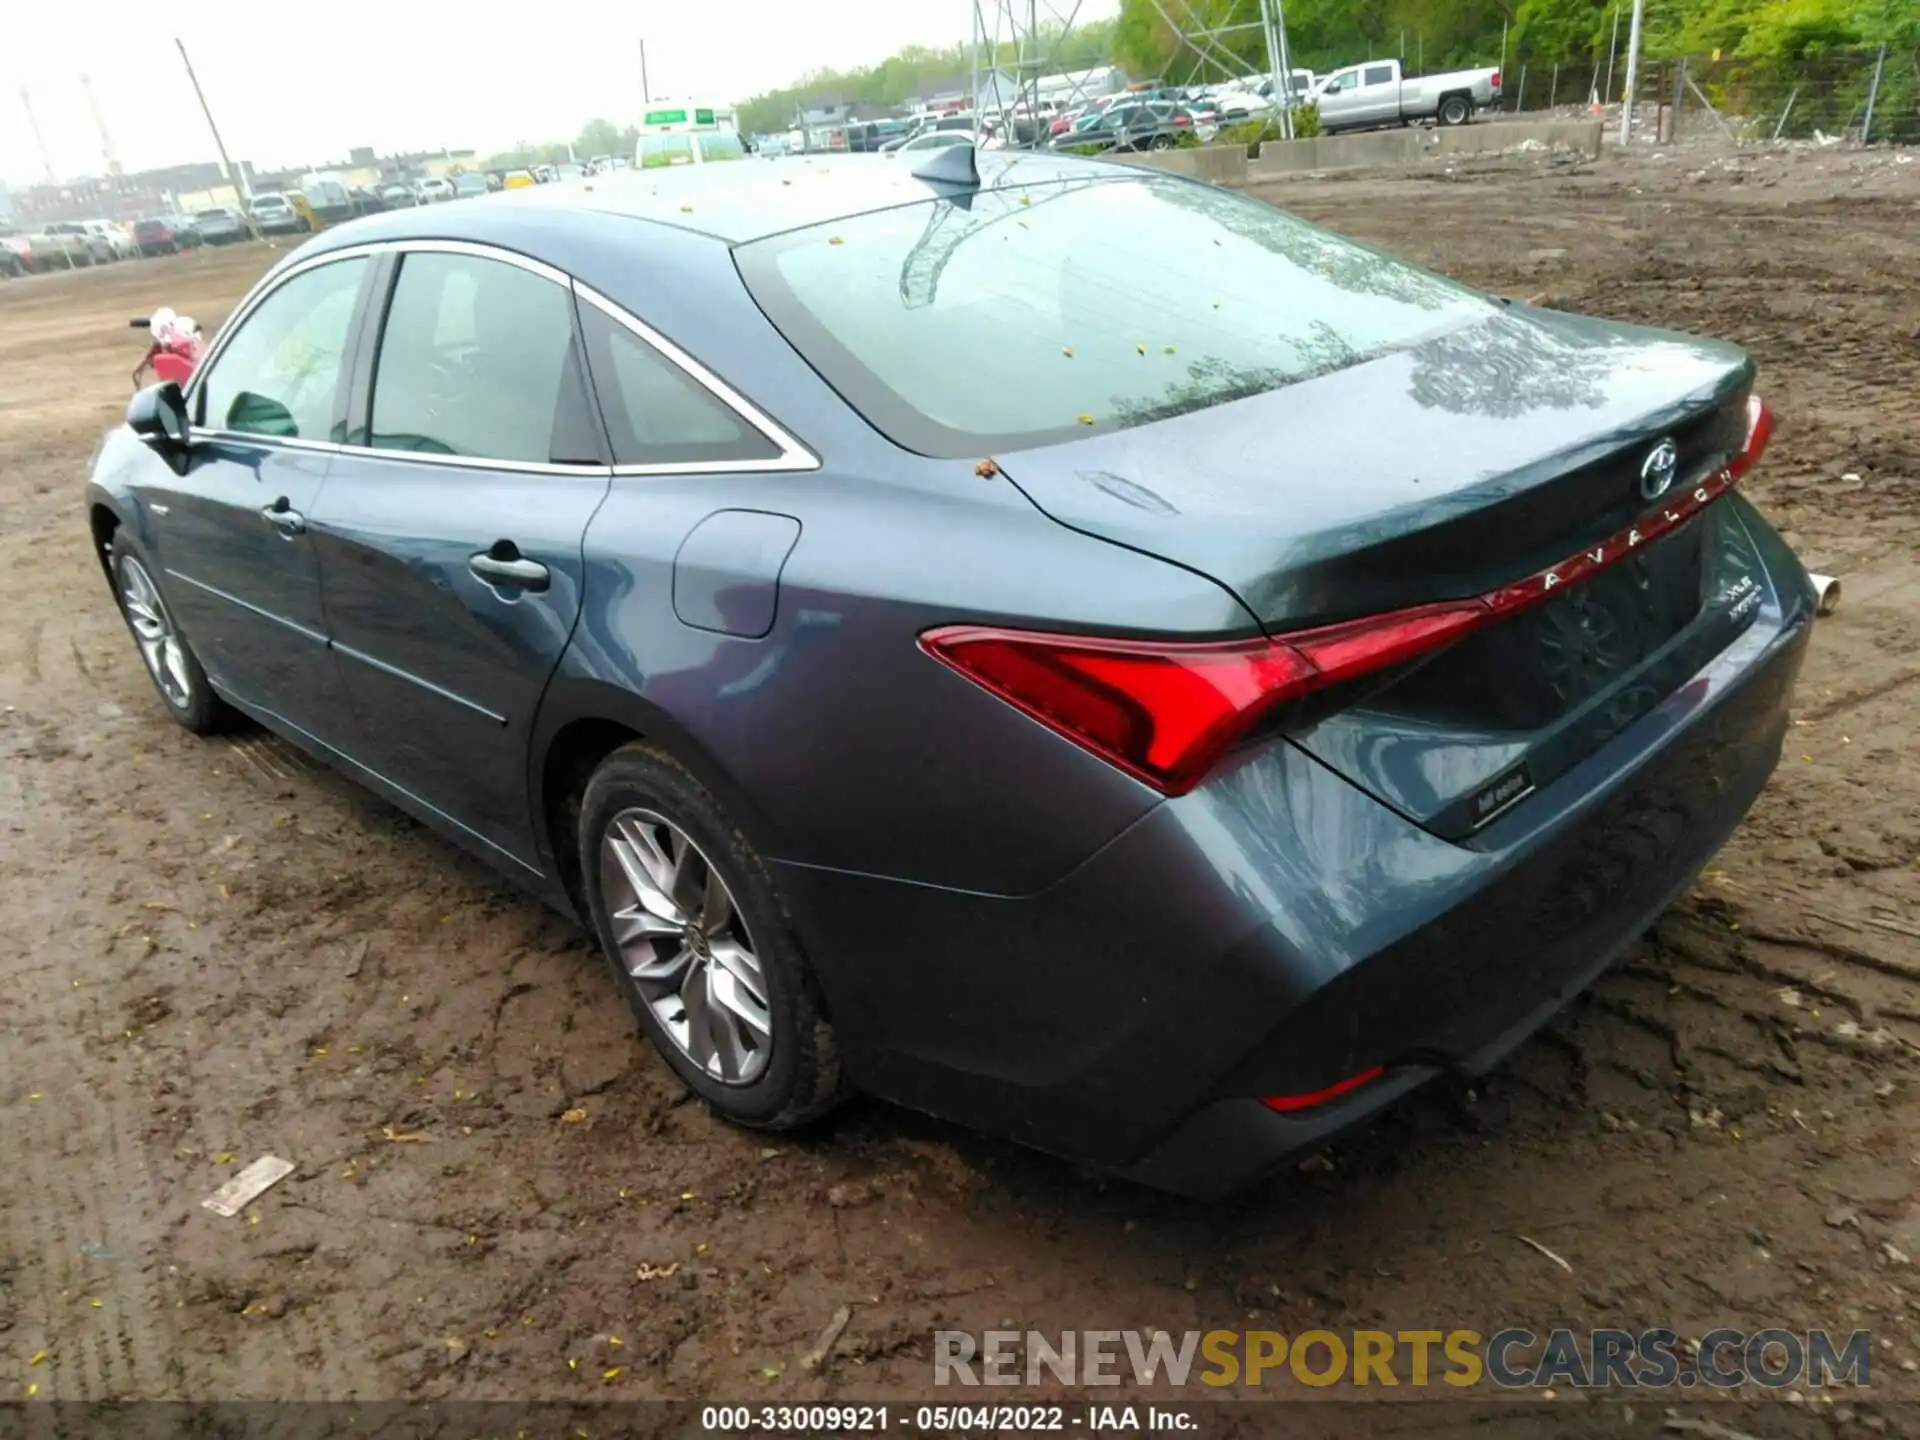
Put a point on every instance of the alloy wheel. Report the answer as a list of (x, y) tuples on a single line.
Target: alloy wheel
[(154, 633), (680, 937)]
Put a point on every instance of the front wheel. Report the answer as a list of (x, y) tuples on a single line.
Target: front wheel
[(170, 661), (1454, 110), (701, 946)]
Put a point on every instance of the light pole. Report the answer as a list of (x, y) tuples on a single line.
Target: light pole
[(1633, 70), (236, 178)]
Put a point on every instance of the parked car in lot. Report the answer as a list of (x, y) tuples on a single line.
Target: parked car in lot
[(16, 255), (157, 235), (1156, 125), (1252, 99), (930, 140), (1075, 650), (518, 180), (866, 136), (73, 242), (275, 214), (688, 147), (222, 225), (433, 190), (468, 184), (399, 197), (116, 240), (1376, 94)]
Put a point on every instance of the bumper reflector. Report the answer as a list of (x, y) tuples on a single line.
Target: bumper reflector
[(1286, 1103)]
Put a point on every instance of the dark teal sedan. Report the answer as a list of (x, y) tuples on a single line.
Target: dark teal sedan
[(1047, 642)]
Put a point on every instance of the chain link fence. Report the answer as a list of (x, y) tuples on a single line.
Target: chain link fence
[(1866, 94)]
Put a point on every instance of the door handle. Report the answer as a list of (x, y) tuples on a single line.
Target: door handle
[(505, 565), (284, 518)]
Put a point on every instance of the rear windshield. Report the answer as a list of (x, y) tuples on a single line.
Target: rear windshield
[(1034, 314), (213, 215)]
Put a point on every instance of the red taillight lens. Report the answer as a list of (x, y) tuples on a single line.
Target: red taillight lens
[(1286, 1103), (1759, 432), (1496, 80), (1165, 713)]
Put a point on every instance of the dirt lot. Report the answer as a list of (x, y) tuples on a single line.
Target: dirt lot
[(215, 951)]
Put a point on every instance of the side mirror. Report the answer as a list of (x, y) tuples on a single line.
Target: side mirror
[(159, 412)]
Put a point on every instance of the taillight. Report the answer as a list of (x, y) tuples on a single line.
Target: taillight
[(1759, 432), (1183, 120), (1496, 80), (1166, 711)]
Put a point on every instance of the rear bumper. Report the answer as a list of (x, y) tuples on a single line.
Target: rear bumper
[(1460, 995), (1278, 930)]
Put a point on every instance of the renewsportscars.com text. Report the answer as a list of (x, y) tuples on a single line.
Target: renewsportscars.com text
[(1509, 1359)]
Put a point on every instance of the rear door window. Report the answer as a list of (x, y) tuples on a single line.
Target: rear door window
[(281, 373), (1379, 75), (477, 359)]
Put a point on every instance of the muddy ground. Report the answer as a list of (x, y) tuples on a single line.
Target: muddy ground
[(213, 951)]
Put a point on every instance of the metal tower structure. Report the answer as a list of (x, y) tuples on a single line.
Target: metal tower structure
[(39, 140), (1015, 44), (1019, 41), (107, 152)]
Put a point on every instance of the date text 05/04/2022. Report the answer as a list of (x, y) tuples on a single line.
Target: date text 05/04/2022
[(945, 1419)]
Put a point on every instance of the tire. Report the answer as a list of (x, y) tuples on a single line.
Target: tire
[(182, 685), (1455, 110), (643, 796), (1160, 142)]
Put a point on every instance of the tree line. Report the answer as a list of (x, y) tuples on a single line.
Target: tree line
[(1437, 34)]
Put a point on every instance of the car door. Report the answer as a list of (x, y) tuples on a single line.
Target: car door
[(449, 534), (1339, 98), (231, 536), (1379, 93)]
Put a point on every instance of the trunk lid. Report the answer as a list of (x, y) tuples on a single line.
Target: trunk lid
[(1444, 471)]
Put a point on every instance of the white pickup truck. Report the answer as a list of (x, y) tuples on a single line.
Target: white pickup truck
[(1377, 94)]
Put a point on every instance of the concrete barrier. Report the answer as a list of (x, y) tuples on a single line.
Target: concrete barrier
[(1221, 164), (1390, 148)]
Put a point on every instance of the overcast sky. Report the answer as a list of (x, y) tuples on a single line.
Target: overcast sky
[(302, 83)]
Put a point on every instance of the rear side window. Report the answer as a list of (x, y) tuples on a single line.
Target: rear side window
[(1038, 313), (1379, 74), (477, 358), (656, 413), (280, 374)]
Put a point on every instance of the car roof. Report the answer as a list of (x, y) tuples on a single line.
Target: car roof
[(746, 199)]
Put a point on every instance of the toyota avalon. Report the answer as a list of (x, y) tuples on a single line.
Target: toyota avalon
[(1050, 643)]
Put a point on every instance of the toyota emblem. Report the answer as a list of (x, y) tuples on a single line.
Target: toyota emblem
[(1658, 469)]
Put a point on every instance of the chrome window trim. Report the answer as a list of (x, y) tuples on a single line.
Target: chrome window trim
[(424, 457), (252, 303), (793, 455)]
